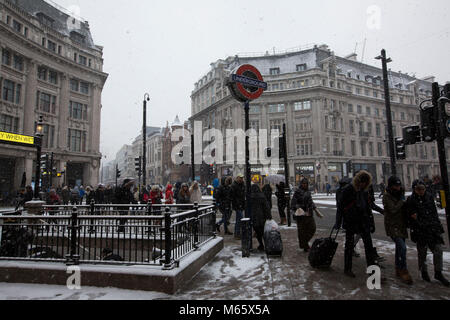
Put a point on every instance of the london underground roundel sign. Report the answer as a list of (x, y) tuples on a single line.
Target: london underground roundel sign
[(246, 83)]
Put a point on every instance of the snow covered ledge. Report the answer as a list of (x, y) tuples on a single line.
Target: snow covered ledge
[(133, 277)]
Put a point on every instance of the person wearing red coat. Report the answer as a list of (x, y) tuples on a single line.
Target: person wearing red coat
[(169, 194)]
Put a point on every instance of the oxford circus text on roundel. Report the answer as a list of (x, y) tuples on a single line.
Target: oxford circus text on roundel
[(246, 83)]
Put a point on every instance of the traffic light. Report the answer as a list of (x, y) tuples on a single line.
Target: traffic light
[(412, 135), (211, 170), (137, 163), (400, 149), (44, 162), (269, 152), (118, 173), (428, 122), (350, 166)]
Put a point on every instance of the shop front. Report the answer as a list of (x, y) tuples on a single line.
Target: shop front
[(305, 171), (370, 168), (335, 174), (7, 170)]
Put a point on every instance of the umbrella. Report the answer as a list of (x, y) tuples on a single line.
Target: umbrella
[(24, 180), (275, 179)]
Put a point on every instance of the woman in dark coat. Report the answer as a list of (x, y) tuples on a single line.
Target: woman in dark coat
[(268, 192), (306, 225), (260, 213), (426, 230), (354, 207), (282, 203)]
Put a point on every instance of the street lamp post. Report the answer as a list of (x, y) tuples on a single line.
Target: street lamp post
[(39, 135), (144, 142)]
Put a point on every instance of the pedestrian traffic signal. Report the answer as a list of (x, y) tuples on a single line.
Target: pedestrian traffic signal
[(350, 166), (400, 149), (137, 163), (428, 122), (412, 135)]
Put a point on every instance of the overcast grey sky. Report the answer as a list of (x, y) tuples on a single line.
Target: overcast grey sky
[(164, 47)]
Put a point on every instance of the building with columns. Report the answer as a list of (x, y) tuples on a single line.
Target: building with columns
[(334, 110), (50, 67)]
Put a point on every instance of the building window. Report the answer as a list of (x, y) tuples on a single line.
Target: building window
[(369, 128), (84, 87), (363, 148), (9, 124), (8, 91), (74, 85), (380, 149), (303, 124), (82, 60), (42, 73), (275, 108), (350, 108), (44, 40), (75, 56), (255, 109), (17, 26), (378, 130), (274, 71), (53, 77), (46, 102), (402, 116), (368, 111), (18, 63), (359, 109), (352, 126), (78, 111), (371, 153), (6, 57), (304, 147), (302, 105), (353, 146), (377, 112), (77, 140), (254, 124), (51, 45), (301, 67)]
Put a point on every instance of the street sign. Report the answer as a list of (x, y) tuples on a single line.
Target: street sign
[(246, 83), (17, 139)]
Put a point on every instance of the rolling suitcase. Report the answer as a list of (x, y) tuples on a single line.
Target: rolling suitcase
[(322, 251)]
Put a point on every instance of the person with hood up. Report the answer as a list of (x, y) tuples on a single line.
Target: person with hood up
[(282, 203), (354, 208), (306, 225), (260, 213), (224, 200), (195, 193), (176, 191), (395, 224), (426, 230), (268, 192), (169, 194), (65, 194)]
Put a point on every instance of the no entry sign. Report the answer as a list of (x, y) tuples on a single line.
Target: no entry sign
[(246, 83)]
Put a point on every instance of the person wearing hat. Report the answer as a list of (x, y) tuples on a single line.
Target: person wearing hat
[(395, 224), (426, 230)]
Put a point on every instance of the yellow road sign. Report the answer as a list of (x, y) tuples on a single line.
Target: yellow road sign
[(16, 138)]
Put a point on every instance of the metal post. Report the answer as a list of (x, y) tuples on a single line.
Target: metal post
[(387, 97), (248, 180), (38, 167), (441, 136), (117, 169), (73, 258), (213, 219), (168, 264), (92, 213), (195, 226), (192, 157), (287, 190), (144, 142)]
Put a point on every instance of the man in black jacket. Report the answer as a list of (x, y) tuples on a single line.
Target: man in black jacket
[(355, 210), (238, 203), (426, 230), (223, 198)]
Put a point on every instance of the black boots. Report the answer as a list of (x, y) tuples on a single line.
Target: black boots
[(440, 277), (425, 276)]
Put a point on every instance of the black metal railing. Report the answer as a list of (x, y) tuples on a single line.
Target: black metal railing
[(118, 234)]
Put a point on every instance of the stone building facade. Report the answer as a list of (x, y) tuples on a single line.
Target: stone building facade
[(50, 67), (334, 110)]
